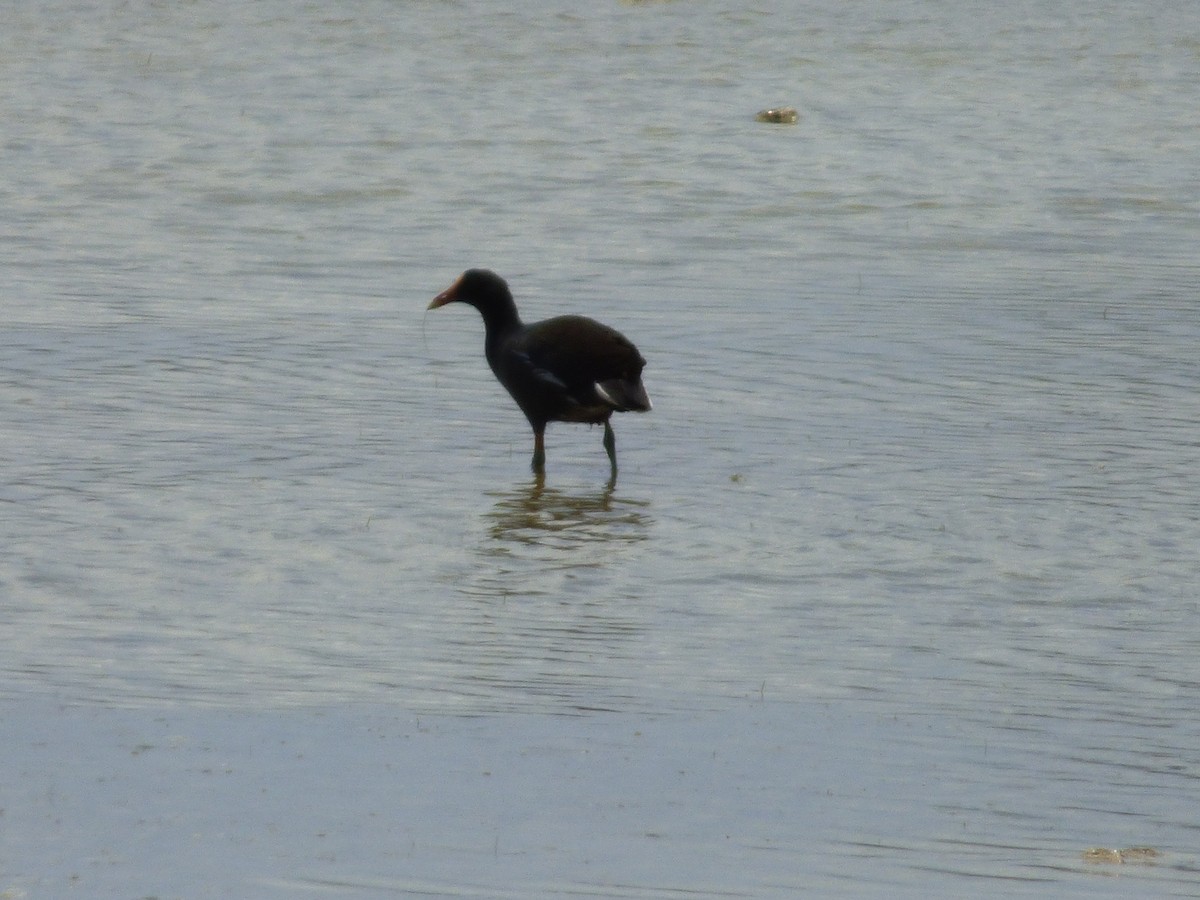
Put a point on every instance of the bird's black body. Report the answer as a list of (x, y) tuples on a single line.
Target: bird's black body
[(565, 369)]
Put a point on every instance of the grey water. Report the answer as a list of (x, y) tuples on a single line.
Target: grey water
[(916, 511)]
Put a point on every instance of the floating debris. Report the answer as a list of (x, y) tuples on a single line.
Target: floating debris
[(783, 115), (1127, 855)]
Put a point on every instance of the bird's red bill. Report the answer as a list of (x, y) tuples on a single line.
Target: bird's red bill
[(447, 296)]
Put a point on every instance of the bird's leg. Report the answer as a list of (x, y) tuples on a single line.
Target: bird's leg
[(610, 445), (539, 451)]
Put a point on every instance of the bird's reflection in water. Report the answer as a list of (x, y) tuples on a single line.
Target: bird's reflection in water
[(535, 516), (556, 612)]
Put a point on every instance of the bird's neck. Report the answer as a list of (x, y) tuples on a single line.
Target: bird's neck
[(500, 319)]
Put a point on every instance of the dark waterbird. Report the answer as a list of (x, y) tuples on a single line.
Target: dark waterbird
[(565, 369)]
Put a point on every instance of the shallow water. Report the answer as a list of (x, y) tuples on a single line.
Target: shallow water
[(921, 460)]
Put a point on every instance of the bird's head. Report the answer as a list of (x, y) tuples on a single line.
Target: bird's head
[(480, 288)]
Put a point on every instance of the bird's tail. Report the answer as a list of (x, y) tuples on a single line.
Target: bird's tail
[(624, 395)]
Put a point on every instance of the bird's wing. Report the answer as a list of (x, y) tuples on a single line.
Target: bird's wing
[(540, 371), (579, 352)]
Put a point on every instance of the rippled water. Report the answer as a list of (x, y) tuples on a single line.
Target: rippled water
[(923, 448)]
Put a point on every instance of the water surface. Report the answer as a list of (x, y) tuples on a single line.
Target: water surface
[(911, 526)]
